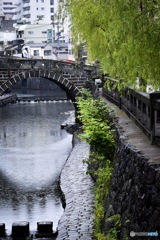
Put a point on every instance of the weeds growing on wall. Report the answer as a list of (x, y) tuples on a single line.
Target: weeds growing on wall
[(98, 131)]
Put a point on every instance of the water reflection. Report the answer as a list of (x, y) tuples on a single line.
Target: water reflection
[(33, 151), (27, 203)]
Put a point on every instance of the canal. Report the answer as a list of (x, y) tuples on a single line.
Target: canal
[(33, 151)]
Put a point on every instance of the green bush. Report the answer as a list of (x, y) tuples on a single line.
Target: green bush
[(97, 124), (98, 131), (101, 190)]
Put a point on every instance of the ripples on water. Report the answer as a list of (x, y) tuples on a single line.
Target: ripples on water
[(33, 151)]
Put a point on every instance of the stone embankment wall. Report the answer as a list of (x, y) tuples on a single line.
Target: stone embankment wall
[(135, 186), (7, 99)]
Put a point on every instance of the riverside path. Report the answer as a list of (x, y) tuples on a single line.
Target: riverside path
[(77, 219)]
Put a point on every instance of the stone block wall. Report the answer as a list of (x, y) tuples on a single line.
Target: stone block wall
[(134, 192)]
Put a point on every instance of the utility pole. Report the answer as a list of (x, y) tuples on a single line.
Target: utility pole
[(58, 35)]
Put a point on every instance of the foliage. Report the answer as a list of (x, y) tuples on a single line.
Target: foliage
[(113, 232), (123, 35), (98, 132), (97, 124), (101, 191)]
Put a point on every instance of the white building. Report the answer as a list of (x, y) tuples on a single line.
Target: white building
[(36, 21), (7, 34), (42, 11), (8, 9), (36, 33), (52, 51), (29, 9), (36, 11), (32, 10)]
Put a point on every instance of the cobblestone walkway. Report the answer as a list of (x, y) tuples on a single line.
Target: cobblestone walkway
[(77, 220)]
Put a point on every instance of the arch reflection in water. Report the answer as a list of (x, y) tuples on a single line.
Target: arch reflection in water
[(33, 152)]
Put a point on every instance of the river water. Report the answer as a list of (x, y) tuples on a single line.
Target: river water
[(33, 151)]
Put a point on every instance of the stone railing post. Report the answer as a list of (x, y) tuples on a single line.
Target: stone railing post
[(153, 96)]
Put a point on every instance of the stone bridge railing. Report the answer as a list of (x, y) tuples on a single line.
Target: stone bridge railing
[(8, 65), (143, 108)]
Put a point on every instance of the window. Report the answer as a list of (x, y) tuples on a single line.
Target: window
[(47, 52), (52, 10), (7, 8), (42, 8), (30, 32), (49, 33), (7, 3), (51, 2), (40, 17), (36, 52), (42, 1), (44, 32)]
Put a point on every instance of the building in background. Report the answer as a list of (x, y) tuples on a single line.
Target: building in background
[(36, 12), (8, 9), (35, 21), (42, 12), (33, 11), (47, 50), (36, 33), (7, 35)]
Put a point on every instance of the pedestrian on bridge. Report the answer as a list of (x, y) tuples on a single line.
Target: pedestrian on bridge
[(25, 53)]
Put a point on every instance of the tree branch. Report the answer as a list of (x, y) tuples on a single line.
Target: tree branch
[(98, 26)]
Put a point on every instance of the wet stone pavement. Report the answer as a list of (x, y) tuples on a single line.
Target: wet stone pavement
[(77, 219)]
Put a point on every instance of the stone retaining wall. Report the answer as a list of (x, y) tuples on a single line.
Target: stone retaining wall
[(134, 192)]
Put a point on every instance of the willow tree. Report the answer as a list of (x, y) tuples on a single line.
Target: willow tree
[(123, 35)]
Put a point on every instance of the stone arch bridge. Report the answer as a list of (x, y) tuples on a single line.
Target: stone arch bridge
[(69, 76)]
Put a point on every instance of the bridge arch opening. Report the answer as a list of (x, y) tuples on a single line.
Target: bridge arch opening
[(71, 91), (56, 77), (40, 87)]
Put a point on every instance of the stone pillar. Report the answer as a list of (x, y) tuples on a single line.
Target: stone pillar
[(2, 230), (153, 96), (45, 227), (20, 229)]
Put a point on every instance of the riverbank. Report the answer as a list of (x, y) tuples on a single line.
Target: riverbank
[(77, 187), (7, 99)]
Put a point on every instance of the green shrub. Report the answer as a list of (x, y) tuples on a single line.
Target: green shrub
[(97, 124), (98, 131), (101, 190)]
